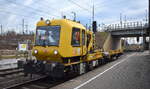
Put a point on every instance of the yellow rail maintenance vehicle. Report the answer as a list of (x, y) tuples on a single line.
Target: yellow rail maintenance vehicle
[(61, 47)]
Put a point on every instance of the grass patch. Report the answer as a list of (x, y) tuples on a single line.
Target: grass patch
[(10, 57)]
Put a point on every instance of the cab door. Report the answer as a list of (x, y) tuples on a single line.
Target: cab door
[(83, 43)]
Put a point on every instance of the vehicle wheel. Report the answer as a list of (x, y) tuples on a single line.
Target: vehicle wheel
[(104, 60), (115, 58), (112, 58), (90, 65), (97, 63), (82, 68)]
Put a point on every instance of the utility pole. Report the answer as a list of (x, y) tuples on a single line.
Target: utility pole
[(23, 26), (26, 28), (62, 15), (146, 19), (121, 19), (1, 29), (90, 24), (74, 16), (125, 19), (93, 13)]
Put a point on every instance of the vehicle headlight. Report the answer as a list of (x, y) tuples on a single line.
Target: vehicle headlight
[(35, 51), (55, 52), (47, 21)]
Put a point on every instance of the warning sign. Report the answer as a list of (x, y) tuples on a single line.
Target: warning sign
[(23, 47)]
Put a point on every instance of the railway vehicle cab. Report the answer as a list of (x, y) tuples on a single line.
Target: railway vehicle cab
[(57, 40)]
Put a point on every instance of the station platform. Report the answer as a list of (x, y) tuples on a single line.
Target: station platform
[(130, 71)]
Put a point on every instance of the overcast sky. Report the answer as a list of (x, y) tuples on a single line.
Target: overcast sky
[(106, 11)]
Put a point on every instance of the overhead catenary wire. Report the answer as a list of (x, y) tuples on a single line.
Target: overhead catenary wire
[(90, 11), (49, 7), (47, 4), (38, 10), (31, 17), (19, 14), (80, 6)]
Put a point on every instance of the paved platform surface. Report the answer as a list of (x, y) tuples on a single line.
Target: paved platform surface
[(131, 71)]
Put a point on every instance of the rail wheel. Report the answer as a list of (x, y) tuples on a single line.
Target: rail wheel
[(115, 57), (82, 68), (90, 66), (102, 61)]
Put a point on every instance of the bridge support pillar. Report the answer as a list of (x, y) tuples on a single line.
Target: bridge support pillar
[(149, 42), (144, 42)]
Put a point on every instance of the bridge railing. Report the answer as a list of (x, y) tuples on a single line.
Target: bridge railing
[(126, 26)]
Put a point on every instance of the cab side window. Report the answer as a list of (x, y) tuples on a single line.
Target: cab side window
[(83, 37), (88, 39), (75, 37)]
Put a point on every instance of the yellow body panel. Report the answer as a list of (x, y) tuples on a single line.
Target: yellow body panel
[(115, 52), (47, 53), (94, 56), (73, 63)]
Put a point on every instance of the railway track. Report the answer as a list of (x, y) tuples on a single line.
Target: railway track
[(36, 82), (20, 83), (42, 83), (13, 78), (10, 73)]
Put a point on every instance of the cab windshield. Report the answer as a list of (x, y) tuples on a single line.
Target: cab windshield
[(47, 36)]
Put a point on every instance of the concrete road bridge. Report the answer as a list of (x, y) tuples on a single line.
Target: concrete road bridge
[(130, 29)]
